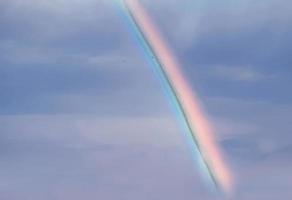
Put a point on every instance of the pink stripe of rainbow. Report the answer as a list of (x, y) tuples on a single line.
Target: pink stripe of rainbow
[(194, 115)]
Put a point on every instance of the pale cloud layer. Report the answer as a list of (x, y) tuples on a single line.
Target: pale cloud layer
[(235, 73), (82, 115)]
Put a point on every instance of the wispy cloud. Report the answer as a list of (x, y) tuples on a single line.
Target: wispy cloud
[(234, 73), (70, 156), (82, 116)]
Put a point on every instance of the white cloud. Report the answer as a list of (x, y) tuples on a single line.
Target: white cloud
[(261, 120), (235, 73), (47, 21), (73, 129), (67, 156), (185, 22)]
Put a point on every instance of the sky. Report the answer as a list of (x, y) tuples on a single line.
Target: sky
[(82, 116)]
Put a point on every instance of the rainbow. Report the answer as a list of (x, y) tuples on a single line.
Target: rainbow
[(168, 70)]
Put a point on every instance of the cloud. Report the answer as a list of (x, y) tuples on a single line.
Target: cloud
[(58, 32), (255, 119), (256, 138), (55, 157), (231, 73), (83, 117), (81, 88), (199, 19), (56, 14)]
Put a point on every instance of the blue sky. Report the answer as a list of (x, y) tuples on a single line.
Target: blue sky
[(83, 116)]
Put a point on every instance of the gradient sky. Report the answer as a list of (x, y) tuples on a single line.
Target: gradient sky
[(83, 117)]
